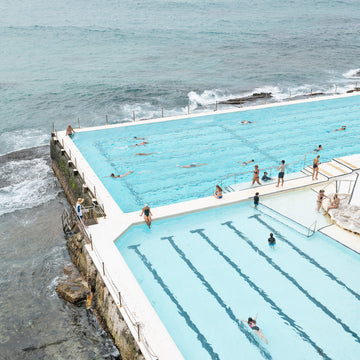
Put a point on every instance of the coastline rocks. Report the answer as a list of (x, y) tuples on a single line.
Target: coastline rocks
[(253, 97), (72, 288)]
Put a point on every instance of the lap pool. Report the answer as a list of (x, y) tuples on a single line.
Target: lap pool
[(220, 141), (203, 272)]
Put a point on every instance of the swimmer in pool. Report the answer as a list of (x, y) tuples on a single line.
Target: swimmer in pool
[(271, 240), (246, 122), (318, 148), (140, 144), (120, 176), (191, 165), (252, 323), (145, 153), (139, 138), (341, 128), (243, 163)]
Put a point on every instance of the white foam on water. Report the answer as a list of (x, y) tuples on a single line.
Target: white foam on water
[(29, 184), (352, 74), (22, 139)]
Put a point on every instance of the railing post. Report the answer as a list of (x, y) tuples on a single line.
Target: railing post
[(235, 179), (94, 191), (162, 112), (335, 89), (103, 266), (107, 120), (79, 122), (138, 331), (289, 95), (304, 161), (133, 115), (188, 108), (53, 127), (120, 302), (240, 104), (216, 105), (91, 243), (265, 98), (311, 93)]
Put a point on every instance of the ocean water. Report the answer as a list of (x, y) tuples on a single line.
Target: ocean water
[(61, 61)]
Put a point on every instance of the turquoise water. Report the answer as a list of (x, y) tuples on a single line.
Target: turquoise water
[(204, 271), (220, 141)]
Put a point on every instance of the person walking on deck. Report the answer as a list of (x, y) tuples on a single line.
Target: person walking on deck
[(281, 175)]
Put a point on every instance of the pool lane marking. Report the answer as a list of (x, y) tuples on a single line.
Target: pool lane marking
[(205, 344), (261, 292), (293, 281), (220, 301), (306, 256)]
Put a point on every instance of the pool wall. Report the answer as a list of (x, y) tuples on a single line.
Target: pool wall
[(110, 265)]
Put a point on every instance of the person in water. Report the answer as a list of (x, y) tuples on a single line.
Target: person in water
[(265, 177), (252, 323), (140, 144), (69, 130), (318, 148), (316, 164), (243, 163), (140, 138), (341, 128), (218, 192), (191, 165), (271, 240), (145, 153), (120, 176), (147, 215), (246, 122), (320, 199), (256, 200)]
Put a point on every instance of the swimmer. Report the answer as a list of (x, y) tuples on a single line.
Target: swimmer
[(139, 138), (252, 323), (341, 128), (120, 176), (316, 164), (218, 192), (191, 165), (145, 153), (256, 200), (243, 163), (271, 240), (318, 148), (140, 144), (147, 215), (69, 130), (265, 177), (246, 122)]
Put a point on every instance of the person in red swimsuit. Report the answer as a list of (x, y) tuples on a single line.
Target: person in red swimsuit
[(252, 323)]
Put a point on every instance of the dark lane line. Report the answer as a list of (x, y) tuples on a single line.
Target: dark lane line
[(263, 294), (293, 281), (205, 344), (220, 301)]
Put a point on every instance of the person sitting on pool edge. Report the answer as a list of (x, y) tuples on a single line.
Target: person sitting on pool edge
[(69, 130), (147, 215), (218, 192), (265, 177), (120, 176), (333, 205), (252, 323)]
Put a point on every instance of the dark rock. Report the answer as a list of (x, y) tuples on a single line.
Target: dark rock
[(253, 97), (353, 90), (72, 288)]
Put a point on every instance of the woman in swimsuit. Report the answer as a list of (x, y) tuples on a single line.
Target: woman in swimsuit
[(147, 215), (252, 323), (334, 204), (256, 175), (320, 199), (316, 167), (218, 192)]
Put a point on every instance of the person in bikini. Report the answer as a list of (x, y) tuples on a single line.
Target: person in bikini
[(320, 199), (218, 192), (252, 323), (333, 205), (256, 175)]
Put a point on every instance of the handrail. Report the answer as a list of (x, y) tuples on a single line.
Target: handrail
[(310, 230), (262, 169)]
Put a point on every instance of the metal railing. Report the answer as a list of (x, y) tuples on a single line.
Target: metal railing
[(338, 185), (69, 220), (310, 230)]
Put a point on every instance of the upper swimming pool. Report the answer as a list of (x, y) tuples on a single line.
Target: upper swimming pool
[(220, 141), (203, 272)]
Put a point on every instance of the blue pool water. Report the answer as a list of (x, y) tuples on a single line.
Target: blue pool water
[(202, 272), (220, 141)]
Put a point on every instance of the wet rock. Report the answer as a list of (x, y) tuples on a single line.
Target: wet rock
[(72, 288), (253, 97), (353, 90)]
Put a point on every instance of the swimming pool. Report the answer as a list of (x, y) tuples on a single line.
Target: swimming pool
[(204, 271), (220, 141)]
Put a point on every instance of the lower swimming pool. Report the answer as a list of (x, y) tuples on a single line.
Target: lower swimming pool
[(203, 272)]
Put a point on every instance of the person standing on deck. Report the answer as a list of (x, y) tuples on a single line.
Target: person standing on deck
[(316, 164), (256, 175), (281, 175)]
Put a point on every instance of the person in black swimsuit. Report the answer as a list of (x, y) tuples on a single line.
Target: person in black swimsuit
[(252, 323), (316, 163), (320, 199), (147, 215)]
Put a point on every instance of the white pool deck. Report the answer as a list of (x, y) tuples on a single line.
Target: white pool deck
[(118, 276)]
